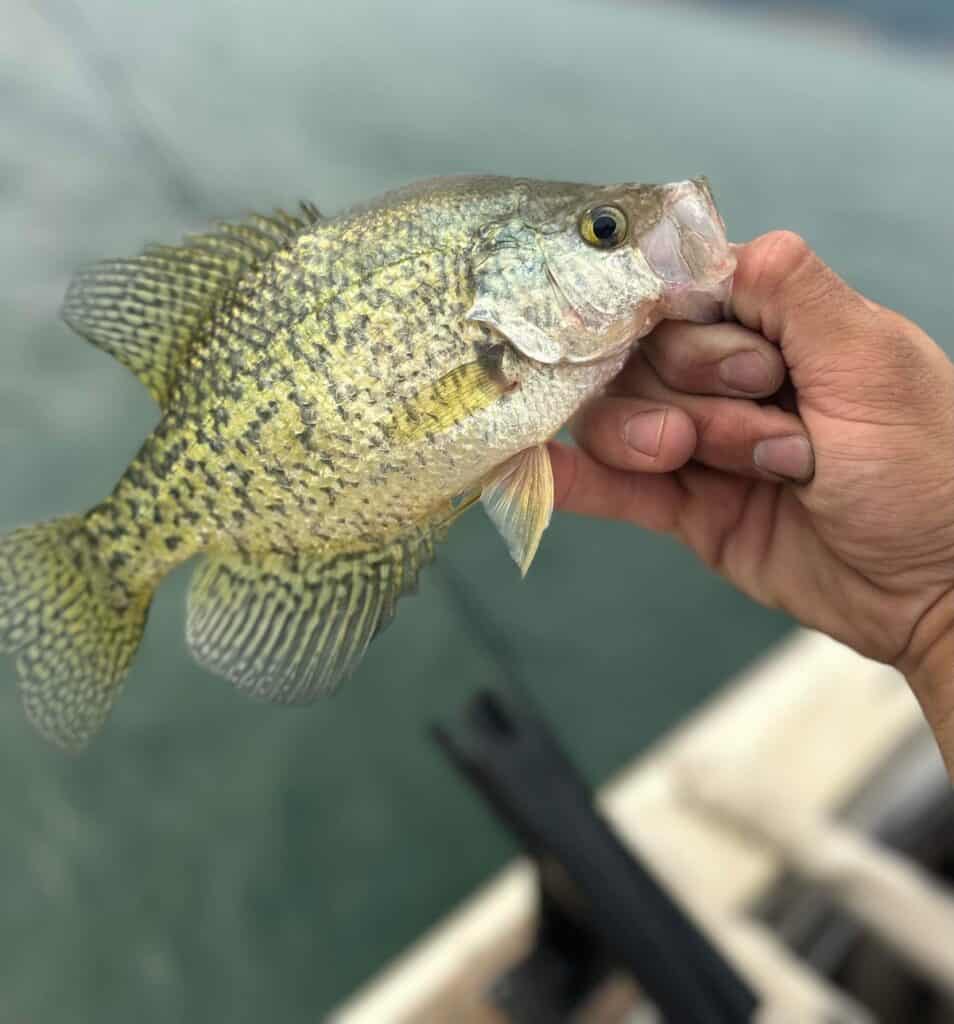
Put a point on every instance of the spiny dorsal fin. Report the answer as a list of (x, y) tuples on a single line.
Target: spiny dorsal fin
[(287, 628), (145, 311)]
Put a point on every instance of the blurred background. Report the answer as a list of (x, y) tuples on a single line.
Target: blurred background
[(214, 859)]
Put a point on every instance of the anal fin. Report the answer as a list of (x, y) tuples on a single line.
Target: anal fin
[(287, 628)]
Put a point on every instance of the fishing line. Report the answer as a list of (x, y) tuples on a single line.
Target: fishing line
[(487, 630)]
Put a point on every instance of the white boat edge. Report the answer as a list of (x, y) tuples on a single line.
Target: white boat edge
[(810, 720)]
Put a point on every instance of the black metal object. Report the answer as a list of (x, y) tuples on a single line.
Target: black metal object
[(601, 909)]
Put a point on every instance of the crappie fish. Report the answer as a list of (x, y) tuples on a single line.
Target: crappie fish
[(334, 392)]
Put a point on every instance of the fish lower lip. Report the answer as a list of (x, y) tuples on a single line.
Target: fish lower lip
[(704, 303)]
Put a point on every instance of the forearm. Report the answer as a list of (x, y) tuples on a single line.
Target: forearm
[(928, 665)]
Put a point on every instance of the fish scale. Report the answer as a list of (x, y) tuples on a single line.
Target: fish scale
[(333, 394)]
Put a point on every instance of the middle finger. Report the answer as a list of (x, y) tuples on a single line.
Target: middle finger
[(729, 431)]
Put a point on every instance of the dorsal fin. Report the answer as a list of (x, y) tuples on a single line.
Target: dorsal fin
[(145, 311)]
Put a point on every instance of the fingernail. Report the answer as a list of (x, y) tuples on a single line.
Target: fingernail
[(789, 457), (746, 371), (644, 431)]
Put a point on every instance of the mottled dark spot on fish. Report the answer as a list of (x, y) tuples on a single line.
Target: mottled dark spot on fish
[(245, 475)]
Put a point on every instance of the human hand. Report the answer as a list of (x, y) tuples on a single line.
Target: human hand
[(843, 514)]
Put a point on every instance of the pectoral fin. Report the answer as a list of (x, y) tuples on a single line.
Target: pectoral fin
[(453, 398), (518, 497)]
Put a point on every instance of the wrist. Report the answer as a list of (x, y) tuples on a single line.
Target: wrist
[(928, 665)]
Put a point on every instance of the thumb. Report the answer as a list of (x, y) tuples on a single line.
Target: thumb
[(848, 357), (782, 290), (843, 352), (836, 343)]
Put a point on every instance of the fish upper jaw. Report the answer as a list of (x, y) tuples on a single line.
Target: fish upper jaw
[(689, 252)]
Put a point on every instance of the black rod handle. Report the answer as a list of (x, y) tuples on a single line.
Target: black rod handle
[(518, 766)]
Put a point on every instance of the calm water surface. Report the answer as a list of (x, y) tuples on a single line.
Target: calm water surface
[(215, 860)]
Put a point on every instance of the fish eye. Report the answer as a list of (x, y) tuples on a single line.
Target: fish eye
[(603, 227)]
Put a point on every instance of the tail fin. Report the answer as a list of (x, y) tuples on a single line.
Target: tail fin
[(58, 615)]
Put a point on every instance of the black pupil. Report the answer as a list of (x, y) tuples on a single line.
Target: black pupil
[(604, 227)]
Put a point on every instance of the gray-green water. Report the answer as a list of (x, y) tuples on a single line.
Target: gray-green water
[(215, 860)]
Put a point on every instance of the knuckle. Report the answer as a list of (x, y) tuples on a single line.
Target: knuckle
[(685, 363), (785, 250), (791, 268), (639, 378), (680, 361), (579, 427), (787, 283), (771, 260), (598, 426)]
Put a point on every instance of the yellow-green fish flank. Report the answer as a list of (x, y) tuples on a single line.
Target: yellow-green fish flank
[(333, 393)]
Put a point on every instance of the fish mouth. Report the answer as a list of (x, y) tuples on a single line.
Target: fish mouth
[(688, 251)]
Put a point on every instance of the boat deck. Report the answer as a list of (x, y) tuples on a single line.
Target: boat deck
[(720, 809)]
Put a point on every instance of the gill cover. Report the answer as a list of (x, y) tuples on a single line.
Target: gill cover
[(557, 297), (550, 294)]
